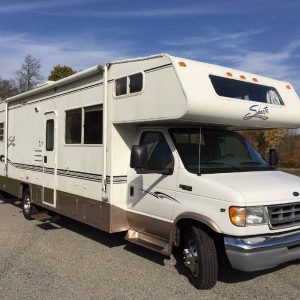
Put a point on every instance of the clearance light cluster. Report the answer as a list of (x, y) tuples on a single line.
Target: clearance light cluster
[(254, 79), (243, 77)]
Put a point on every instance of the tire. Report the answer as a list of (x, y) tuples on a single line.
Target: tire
[(200, 257), (28, 208)]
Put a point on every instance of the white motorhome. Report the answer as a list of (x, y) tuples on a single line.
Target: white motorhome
[(149, 146)]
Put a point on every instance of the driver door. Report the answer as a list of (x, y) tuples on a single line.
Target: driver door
[(151, 196)]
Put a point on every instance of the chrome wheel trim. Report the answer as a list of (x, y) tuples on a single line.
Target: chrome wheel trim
[(27, 204), (190, 257)]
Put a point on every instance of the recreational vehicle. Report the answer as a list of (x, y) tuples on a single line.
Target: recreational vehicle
[(150, 147)]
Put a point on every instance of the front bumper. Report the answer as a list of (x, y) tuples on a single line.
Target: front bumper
[(262, 252)]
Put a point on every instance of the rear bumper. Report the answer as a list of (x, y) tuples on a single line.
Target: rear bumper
[(262, 252)]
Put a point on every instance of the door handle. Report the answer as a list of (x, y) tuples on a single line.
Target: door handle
[(131, 191), (45, 159), (186, 187)]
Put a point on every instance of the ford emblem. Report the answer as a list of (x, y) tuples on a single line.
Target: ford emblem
[(296, 194)]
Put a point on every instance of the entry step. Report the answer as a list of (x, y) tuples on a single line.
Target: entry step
[(148, 241)]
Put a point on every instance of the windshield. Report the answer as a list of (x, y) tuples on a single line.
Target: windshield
[(218, 151)]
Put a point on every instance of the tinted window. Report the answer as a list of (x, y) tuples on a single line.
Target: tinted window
[(50, 135), (93, 118), (73, 126), (1, 131), (135, 83), (232, 88), (160, 155), (121, 86)]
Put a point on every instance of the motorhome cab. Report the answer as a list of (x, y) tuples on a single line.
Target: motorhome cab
[(150, 146)]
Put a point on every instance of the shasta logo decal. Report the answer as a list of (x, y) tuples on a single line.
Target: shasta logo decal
[(257, 111)]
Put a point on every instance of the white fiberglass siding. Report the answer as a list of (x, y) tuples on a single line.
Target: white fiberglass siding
[(205, 105)]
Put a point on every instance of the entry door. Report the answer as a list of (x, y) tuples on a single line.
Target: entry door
[(153, 195), (50, 158)]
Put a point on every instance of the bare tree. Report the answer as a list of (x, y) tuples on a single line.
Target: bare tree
[(29, 75), (7, 89)]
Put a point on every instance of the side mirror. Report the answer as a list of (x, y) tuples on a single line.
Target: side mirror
[(139, 157), (273, 157)]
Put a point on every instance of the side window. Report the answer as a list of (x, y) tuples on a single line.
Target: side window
[(128, 85), (1, 132), (93, 118), (121, 86), (232, 88), (135, 83), (160, 155), (73, 126), (84, 125), (50, 135)]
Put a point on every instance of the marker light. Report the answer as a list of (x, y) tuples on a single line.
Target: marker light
[(182, 64), (237, 216), (255, 79), (288, 87), (229, 74), (242, 76)]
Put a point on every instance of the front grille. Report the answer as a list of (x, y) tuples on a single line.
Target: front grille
[(284, 215)]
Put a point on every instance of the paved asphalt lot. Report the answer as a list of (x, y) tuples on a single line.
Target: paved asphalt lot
[(69, 260)]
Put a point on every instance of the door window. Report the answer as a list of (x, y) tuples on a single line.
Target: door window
[(50, 135), (159, 153)]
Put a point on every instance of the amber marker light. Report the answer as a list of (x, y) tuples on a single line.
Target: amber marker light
[(243, 77), (229, 74), (288, 87), (255, 79), (238, 216), (182, 64)]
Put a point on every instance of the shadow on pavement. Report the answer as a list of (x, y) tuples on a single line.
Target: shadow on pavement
[(229, 275), (7, 198), (226, 273), (109, 240), (106, 239)]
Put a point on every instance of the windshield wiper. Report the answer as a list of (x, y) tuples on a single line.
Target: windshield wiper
[(254, 163)]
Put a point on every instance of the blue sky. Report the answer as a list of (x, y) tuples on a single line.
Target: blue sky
[(260, 36)]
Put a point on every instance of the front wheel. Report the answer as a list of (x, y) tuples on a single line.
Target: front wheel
[(200, 257)]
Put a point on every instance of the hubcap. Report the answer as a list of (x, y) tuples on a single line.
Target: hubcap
[(190, 257), (27, 204)]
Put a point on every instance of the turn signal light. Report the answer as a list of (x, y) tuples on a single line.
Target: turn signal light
[(238, 216), (229, 74), (182, 64)]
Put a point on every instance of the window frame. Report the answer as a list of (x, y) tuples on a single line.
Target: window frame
[(65, 124), (82, 126), (128, 94), (53, 137), (165, 136), (282, 103)]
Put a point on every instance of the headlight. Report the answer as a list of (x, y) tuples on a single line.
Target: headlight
[(247, 216)]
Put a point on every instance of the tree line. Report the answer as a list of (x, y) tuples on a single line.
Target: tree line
[(286, 141), (29, 76)]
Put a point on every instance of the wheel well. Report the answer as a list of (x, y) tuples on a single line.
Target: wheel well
[(23, 187), (182, 226)]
